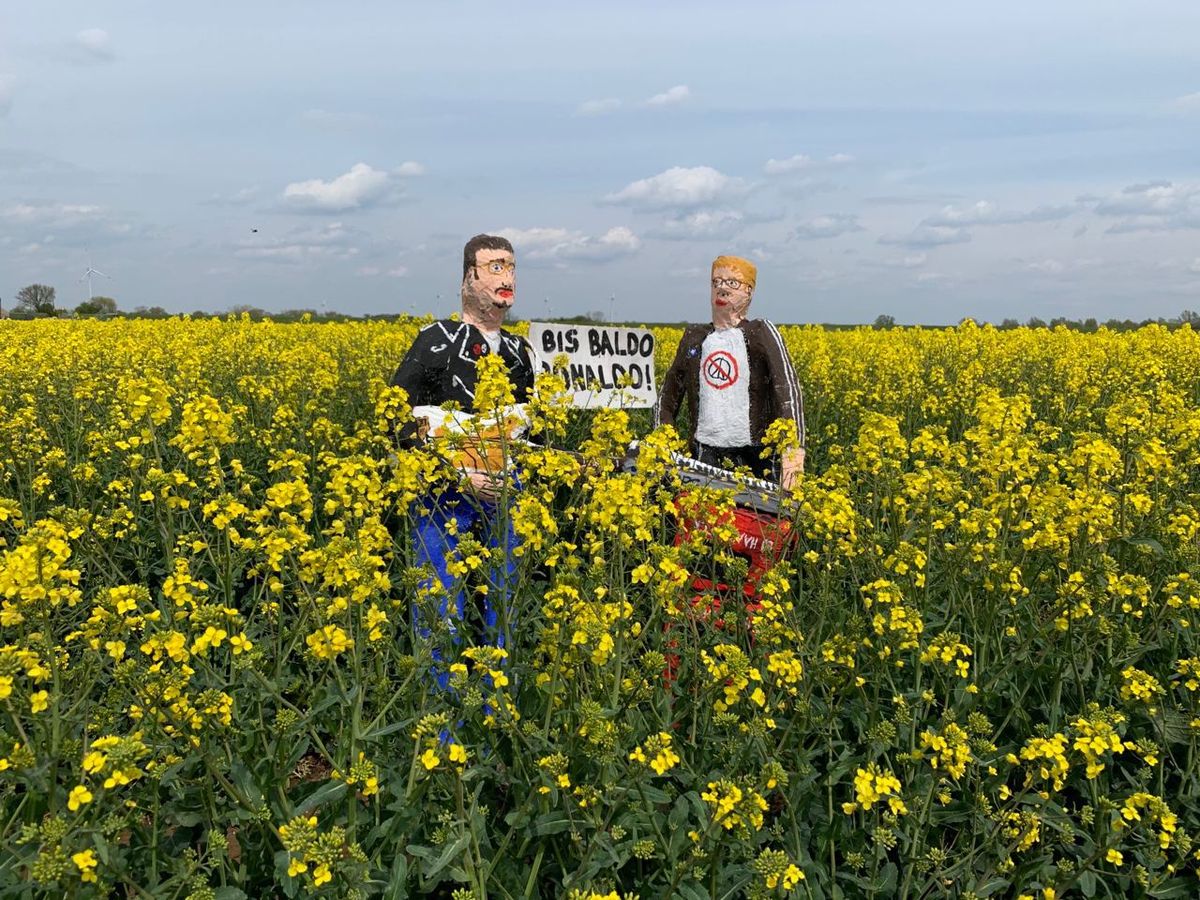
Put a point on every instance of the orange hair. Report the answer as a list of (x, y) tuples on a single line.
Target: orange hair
[(745, 269)]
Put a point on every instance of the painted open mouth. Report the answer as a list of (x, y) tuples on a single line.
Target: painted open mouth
[(505, 293)]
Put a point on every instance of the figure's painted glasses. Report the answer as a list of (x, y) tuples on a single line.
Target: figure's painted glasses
[(498, 266), (732, 284)]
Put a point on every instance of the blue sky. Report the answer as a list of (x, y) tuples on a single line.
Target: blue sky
[(929, 160)]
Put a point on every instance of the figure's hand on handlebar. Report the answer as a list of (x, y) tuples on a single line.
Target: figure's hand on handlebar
[(482, 485), (792, 468)]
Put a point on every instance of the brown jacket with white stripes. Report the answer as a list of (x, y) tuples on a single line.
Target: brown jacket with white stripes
[(774, 391)]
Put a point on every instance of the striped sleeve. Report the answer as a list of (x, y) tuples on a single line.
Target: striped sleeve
[(789, 399), (670, 395)]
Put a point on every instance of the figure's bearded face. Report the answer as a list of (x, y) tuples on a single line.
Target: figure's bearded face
[(730, 293), (490, 286)]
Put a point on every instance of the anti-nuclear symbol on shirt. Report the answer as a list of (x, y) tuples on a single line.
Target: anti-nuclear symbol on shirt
[(720, 370)]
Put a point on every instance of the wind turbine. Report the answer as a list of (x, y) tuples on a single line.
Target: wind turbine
[(92, 271)]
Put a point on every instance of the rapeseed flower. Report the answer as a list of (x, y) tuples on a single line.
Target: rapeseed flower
[(657, 752)]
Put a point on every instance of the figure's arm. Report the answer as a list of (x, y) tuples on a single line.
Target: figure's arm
[(411, 375), (671, 395), (789, 401)]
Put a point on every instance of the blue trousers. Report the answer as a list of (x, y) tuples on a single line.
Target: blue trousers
[(434, 544)]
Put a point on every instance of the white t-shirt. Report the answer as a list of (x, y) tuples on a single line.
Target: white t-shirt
[(723, 419), (492, 338)]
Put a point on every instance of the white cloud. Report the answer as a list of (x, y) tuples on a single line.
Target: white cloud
[(52, 215), (927, 236), (359, 187), (376, 271), (679, 188), (34, 167), (598, 107), (1195, 266), (827, 226), (240, 197), (93, 45), (700, 225), (303, 244), (1046, 266), (290, 253), (670, 97), (951, 224), (559, 245), (1152, 206), (1152, 198), (6, 94), (985, 213), (800, 163), (909, 261), (409, 169), (1188, 103), (74, 224)]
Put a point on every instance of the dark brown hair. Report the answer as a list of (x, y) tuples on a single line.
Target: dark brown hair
[(482, 242)]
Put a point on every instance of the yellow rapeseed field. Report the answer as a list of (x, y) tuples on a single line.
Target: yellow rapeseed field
[(974, 673)]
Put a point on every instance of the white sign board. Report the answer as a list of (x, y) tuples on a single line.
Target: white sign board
[(600, 361)]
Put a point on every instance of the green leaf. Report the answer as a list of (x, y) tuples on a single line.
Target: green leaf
[(518, 818), (692, 890), (397, 886), (676, 841), (553, 822), (186, 819), (290, 885), (326, 793), (1176, 887), (992, 886), (244, 782), (699, 807), (1087, 883), (229, 893), (420, 851), (447, 855), (1154, 546), (679, 814), (653, 794), (885, 882), (1176, 726), (383, 732), (101, 848), (302, 745)]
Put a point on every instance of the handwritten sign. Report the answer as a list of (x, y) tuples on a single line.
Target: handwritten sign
[(605, 366)]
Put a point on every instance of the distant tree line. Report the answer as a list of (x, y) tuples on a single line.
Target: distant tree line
[(38, 301), (1187, 317)]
